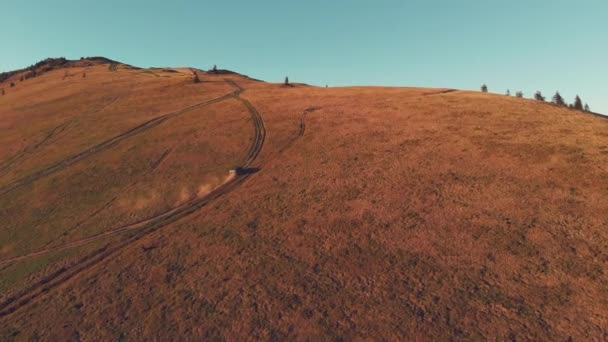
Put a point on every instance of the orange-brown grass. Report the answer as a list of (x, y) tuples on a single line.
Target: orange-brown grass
[(52, 117), (140, 178), (184, 157), (399, 213)]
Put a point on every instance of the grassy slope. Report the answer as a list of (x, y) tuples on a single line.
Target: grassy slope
[(140, 177), (399, 212)]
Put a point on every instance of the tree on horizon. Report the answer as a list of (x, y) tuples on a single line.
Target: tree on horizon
[(587, 109), (558, 99), (519, 94), (578, 104), (286, 80), (538, 96), (484, 88), (508, 92)]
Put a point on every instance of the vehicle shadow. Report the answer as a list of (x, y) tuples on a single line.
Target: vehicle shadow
[(241, 171)]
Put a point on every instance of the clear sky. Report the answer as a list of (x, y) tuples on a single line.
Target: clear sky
[(529, 45)]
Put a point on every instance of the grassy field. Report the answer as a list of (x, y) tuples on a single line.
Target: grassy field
[(370, 213)]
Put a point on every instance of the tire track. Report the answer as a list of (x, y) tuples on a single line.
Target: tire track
[(301, 129), (5, 166), (13, 159), (106, 145), (446, 91), (160, 160), (151, 170), (90, 216), (144, 228)]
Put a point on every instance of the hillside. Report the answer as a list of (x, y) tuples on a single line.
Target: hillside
[(136, 204)]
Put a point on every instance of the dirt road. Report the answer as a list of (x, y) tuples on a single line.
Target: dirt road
[(145, 227)]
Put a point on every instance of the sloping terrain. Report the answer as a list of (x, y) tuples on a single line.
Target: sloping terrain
[(378, 213)]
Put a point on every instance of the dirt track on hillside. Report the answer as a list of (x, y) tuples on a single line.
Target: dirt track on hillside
[(26, 152), (107, 144), (145, 227)]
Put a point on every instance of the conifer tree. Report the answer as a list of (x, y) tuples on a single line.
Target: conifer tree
[(286, 80), (508, 92), (484, 88), (558, 99), (587, 109), (578, 104), (538, 96), (519, 94)]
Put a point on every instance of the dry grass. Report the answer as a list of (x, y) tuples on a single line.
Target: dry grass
[(399, 214)]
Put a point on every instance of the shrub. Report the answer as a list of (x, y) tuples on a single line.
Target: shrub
[(286, 80), (42, 67), (30, 74), (484, 88), (2, 91), (508, 92), (196, 79), (519, 94), (587, 109), (12, 84)]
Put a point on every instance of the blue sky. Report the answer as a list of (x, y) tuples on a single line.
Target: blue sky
[(518, 45)]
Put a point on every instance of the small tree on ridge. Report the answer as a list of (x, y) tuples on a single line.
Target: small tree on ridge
[(578, 104), (484, 88), (538, 96), (558, 100)]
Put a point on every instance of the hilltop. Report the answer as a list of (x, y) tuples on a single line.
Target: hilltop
[(50, 64), (137, 204)]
